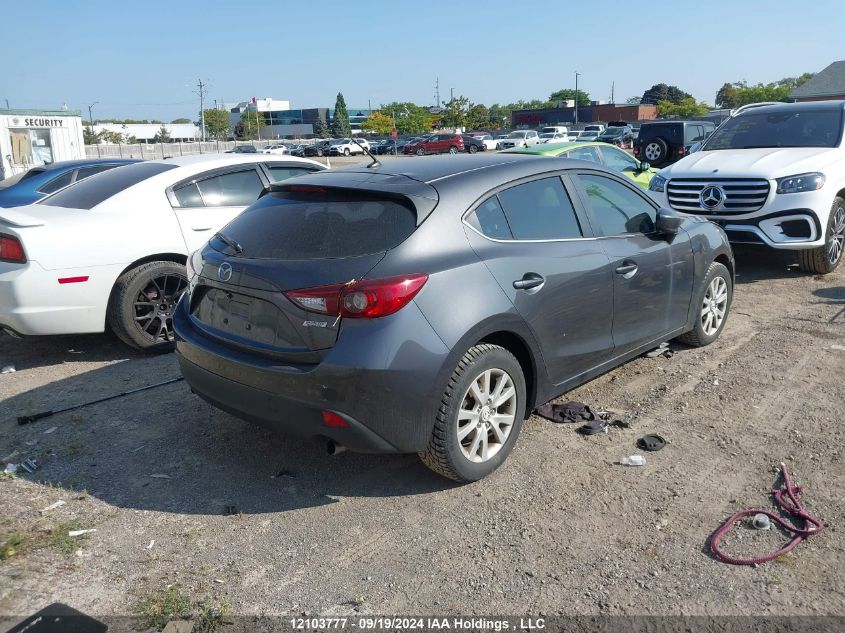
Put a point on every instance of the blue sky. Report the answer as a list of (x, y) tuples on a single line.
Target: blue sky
[(142, 59)]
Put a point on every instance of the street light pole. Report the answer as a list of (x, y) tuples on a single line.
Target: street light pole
[(90, 116), (577, 74)]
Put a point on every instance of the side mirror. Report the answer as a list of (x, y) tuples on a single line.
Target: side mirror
[(668, 222), (644, 166)]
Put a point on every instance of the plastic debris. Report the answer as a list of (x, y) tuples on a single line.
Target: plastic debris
[(8, 369), (29, 465), (633, 460), (53, 506), (11, 469), (660, 350), (80, 532), (761, 522), (50, 430), (651, 442), (841, 348), (150, 546)]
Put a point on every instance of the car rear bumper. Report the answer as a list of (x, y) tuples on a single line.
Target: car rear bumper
[(381, 377), (33, 301)]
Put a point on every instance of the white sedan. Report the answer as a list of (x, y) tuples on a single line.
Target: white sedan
[(111, 250)]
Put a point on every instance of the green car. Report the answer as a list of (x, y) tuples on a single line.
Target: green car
[(602, 153)]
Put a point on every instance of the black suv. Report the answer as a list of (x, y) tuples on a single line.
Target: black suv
[(662, 142), (472, 144)]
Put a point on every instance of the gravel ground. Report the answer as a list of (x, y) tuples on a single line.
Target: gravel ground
[(560, 529)]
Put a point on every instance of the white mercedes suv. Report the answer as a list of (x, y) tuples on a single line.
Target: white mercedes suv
[(772, 174)]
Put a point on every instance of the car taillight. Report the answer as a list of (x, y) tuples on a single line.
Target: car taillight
[(365, 299), (11, 250), (636, 151), (681, 150)]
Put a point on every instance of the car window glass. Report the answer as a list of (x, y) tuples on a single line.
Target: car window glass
[(188, 195), (489, 219), (617, 159), (93, 191), (540, 210), (617, 208), (235, 189), (281, 172), (584, 153), (694, 133), (85, 172), (56, 183)]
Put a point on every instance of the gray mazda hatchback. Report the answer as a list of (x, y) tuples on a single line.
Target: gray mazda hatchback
[(428, 306)]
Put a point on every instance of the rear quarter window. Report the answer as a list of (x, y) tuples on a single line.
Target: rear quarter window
[(96, 189), (321, 225)]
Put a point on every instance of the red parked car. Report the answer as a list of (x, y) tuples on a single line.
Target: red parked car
[(436, 144)]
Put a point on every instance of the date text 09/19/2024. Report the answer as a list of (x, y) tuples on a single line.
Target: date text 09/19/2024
[(419, 623)]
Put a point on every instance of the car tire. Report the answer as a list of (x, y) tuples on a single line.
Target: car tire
[(453, 149), (712, 305), (472, 149), (825, 259), (656, 151), (319, 152), (151, 290), (420, 152), (480, 449), (346, 151)]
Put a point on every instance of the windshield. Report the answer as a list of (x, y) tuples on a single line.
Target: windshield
[(516, 135), (614, 131), (796, 128), (548, 135)]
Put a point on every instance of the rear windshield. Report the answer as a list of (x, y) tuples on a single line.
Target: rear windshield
[(94, 190), (320, 225), (669, 132), (796, 128)]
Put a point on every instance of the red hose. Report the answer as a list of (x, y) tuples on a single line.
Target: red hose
[(812, 525)]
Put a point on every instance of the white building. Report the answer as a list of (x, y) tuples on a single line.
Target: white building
[(38, 137), (146, 132)]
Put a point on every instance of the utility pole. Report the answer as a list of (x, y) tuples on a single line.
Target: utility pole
[(202, 88), (451, 94), (612, 96), (577, 74), (437, 93)]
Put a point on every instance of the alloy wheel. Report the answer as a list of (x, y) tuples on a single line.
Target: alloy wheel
[(715, 306), (836, 240), (487, 415), (652, 151), (155, 304)]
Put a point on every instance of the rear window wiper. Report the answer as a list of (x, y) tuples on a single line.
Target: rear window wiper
[(229, 242)]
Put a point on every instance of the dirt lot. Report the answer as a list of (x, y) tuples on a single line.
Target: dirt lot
[(560, 529)]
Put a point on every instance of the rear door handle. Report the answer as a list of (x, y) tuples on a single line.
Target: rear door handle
[(528, 281), (628, 269), (201, 228)]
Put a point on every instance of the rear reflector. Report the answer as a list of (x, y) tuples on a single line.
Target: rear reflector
[(73, 280), (365, 299), (11, 250), (333, 419)]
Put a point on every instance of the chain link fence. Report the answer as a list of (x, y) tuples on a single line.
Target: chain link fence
[(152, 151)]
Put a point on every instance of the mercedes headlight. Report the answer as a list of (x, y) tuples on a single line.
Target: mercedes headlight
[(658, 183), (800, 182)]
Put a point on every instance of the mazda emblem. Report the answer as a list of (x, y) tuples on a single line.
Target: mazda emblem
[(224, 273), (711, 197)]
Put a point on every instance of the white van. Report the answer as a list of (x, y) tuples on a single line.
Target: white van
[(554, 129)]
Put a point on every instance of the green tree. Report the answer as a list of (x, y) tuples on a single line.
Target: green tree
[(90, 137), (499, 115), (321, 128), (688, 109), (377, 123), (340, 120), (162, 136), (454, 112), (727, 96), (110, 137), (410, 118), (568, 94), (216, 123), (663, 92), (477, 117), (634, 100), (250, 125), (181, 120)]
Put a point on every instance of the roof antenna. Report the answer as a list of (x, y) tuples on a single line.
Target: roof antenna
[(375, 162)]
